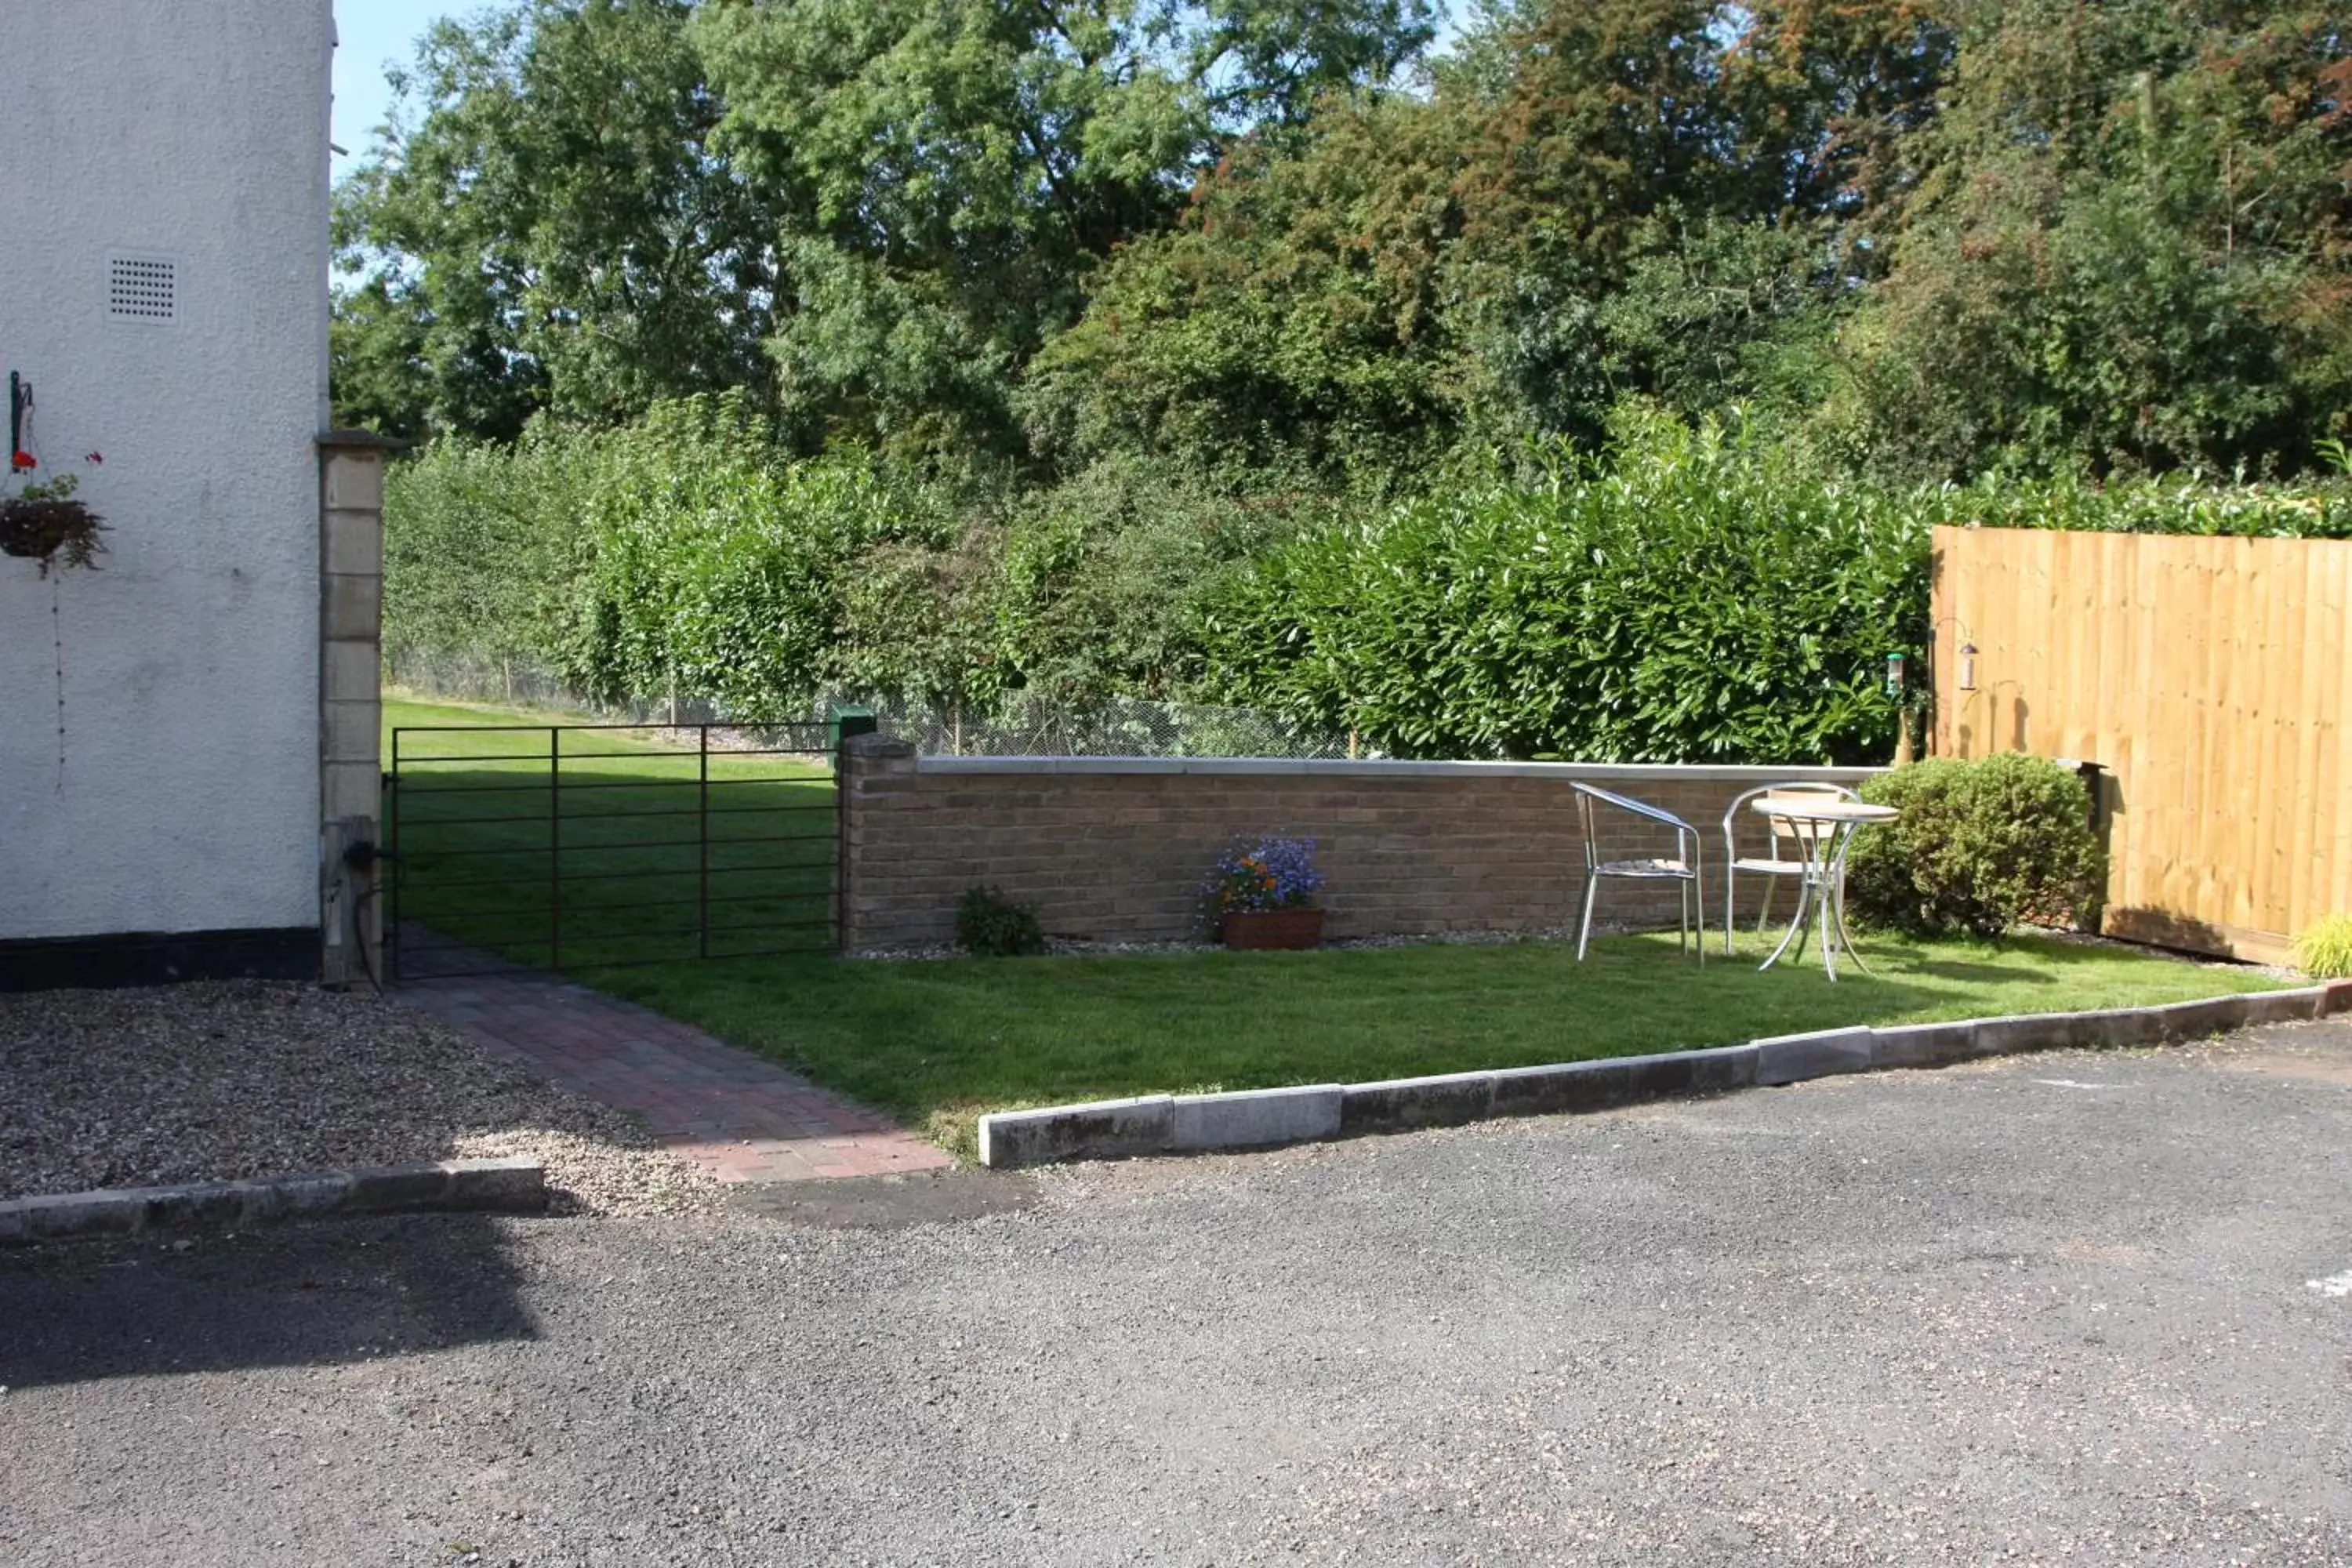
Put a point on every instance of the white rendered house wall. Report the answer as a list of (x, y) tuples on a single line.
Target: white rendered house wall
[(163, 261)]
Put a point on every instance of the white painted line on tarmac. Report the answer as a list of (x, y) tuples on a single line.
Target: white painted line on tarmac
[(2334, 1285), (2071, 1083)]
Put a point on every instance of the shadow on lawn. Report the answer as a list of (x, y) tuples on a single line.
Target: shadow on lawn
[(1954, 968), (300, 1296), (2053, 958)]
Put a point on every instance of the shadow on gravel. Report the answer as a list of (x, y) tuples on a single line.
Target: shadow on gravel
[(300, 1296), (890, 1203)]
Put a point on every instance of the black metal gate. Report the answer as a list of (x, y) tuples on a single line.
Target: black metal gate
[(580, 846)]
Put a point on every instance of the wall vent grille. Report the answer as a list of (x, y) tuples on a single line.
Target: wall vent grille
[(141, 287)]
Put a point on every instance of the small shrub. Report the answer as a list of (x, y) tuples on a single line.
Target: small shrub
[(990, 925), (2324, 951), (1981, 845)]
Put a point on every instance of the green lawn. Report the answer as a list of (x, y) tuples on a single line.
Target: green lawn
[(485, 812), (940, 1042)]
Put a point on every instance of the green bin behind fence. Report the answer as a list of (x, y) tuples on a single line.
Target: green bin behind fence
[(850, 718)]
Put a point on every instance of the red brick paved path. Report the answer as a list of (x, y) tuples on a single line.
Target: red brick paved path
[(741, 1118)]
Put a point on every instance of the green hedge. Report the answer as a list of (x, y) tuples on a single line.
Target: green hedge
[(1693, 601), (478, 548), (704, 567), (1689, 597), (684, 554), (2147, 506)]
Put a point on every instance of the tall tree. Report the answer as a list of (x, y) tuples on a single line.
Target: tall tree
[(969, 163), (1660, 198), (546, 222), (2131, 248), (1290, 329)]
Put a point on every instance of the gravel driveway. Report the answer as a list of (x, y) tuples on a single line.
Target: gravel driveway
[(212, 1082), (2072, 1308)]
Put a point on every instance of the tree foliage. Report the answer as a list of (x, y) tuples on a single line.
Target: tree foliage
[(1588, 388), (2129, 251), (548, 225), (868, 212)]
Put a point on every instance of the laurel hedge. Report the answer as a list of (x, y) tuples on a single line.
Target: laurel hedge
[(1687, 601), (1688, 596)]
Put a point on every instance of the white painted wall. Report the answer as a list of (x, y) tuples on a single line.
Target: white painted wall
[(188, 797)]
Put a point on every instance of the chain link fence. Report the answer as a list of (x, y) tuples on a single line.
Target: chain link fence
[(1028, 726), (1024, 725)]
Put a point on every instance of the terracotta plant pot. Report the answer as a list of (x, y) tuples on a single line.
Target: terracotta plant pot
[(1273, 928)]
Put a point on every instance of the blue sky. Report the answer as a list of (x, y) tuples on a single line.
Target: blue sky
[(368, 34)]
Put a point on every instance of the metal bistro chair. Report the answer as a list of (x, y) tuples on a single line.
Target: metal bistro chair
[(1791, 850), (1683, 867)]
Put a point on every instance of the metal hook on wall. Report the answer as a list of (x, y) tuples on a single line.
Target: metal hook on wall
[(20, 404)]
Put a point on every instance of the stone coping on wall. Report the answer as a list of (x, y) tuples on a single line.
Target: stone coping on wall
[(1343, 768)]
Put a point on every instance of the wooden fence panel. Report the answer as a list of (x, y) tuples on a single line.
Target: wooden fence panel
[(2206, 675)]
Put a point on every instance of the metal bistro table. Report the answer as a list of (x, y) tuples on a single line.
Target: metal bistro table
[(1825, 829)]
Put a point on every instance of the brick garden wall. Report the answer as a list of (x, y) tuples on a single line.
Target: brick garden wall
[(1116, 848)]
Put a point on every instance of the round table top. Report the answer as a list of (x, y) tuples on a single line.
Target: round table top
[(1796, 809)]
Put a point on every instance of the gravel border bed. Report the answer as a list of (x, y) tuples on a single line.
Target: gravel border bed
[(1080, 947), (223, 1081)]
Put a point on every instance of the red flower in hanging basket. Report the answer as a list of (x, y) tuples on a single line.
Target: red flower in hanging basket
[(21, 460)]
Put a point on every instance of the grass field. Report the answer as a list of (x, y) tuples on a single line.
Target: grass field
[(492, 803), (938, 1042)]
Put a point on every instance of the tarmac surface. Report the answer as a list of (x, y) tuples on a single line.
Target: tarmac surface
[(2077, 1308)]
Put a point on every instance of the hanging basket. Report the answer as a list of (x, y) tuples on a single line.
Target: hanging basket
[(53, 531)]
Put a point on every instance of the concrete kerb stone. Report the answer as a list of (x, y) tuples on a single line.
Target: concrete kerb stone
[(1400, 1104), (55, 1216), (505, 1186), (1612, 1082), (1260, 1118), (1923, 1045), (1792, 1059), (1100, 1129), (1254, 1117), (2292, 1006), (495, 1186), (2195, 1020)]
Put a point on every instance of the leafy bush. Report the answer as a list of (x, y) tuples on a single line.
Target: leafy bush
[(477, 546), (2324, 950), (990, 925), (685, 554), (1980, 846), (708, 568), (2177, 506), (1099, 582), (1692, 600)]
